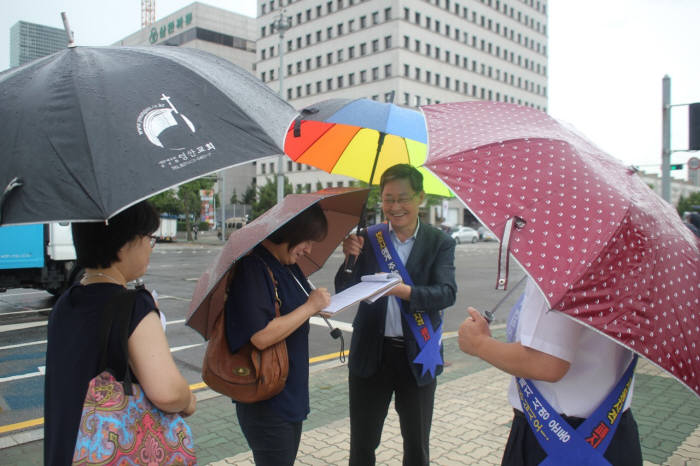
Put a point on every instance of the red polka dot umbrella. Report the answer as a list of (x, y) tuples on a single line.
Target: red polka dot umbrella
[(603, 248)]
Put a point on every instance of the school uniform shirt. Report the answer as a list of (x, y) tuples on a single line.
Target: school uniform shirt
[(597, 362), (250, 307)]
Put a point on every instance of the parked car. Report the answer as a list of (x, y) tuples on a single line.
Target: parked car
[(465, 235), (488, 236)]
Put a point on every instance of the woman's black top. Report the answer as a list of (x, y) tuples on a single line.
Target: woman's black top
[(72, 359)]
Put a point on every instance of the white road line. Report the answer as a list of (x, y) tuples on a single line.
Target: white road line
[(11, 327), (25, 293), (335, 323), (170, 322), (191, 279), (38, 373), (20, 345), (23, 312), (180, 348)]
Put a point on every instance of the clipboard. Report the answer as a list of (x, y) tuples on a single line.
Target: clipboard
[(370, 288)]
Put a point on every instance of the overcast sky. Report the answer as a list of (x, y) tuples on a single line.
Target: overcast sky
[(606, 60)]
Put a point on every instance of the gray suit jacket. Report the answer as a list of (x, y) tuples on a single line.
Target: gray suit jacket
[(431, 267)]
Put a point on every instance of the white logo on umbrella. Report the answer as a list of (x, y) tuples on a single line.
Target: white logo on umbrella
[(157, 120)]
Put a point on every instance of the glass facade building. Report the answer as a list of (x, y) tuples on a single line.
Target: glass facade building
[(29, 41)]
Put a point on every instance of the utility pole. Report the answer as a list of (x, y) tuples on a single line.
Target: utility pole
[(222, 192), (666, 139), (281, 25)]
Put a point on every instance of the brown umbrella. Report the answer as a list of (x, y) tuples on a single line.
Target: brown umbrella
[(342, 207)]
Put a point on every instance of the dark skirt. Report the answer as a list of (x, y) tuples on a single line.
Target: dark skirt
[(523, 449)]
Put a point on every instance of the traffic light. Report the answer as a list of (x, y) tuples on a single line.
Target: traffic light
[(676, 166), (694, 126)]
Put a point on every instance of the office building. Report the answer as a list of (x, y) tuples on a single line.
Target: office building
[(415, 52), (29, 41)]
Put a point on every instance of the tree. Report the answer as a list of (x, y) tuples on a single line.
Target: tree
[(192, 203), (167, 203), (689, 204), (249, 195), (234, 197), (267, 196)]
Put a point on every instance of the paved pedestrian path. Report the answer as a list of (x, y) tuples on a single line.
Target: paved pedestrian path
[(470, 425)]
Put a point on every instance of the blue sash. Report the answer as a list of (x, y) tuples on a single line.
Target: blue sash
[(564, 444), (422, 329)]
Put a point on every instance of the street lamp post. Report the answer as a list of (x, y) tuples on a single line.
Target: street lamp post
[(281, 25)]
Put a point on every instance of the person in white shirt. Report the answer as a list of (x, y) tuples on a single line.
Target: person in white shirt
[(572, 366)]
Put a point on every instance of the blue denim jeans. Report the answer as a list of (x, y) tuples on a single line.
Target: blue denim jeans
[(273, 440)]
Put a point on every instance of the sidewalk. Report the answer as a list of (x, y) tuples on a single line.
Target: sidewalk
[(470, 422)]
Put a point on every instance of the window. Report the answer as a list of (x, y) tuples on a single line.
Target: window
[(406, 42), (437, 26), (298, 91), (351, 25), (289, 69), (308, 64), (447, 82), (308, 39), (329, 84), (318, 87), (428, 22), (351, 79), (363, 49), (375, 17), (329, 7), (363, 22), (340, 29), (387, 14), (416, 18), (363, 76), (387, 71), (351, 52), (262, 168), (329, 58), (428, 49), (289, 45), (308, 15), (375, 73), (339, 184), (375, 46), (340, 82), (387, 42), (417, 74), (318, 36), (298, 67), (308, 92), (299, 18), (406, 98), (417, 46), (406, 14), (340, 55), (428, 76), (318, 61), (262, 76), (406, 71), (262, 54), (329, 33), (262, 31)]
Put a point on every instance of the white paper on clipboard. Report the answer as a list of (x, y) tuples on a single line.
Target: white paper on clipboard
[(370, 288)]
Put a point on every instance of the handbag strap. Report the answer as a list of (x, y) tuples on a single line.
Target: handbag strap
[(278, 301), (115, 312)]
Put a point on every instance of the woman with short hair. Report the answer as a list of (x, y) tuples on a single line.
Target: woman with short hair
[(273, 427), (112, 254)]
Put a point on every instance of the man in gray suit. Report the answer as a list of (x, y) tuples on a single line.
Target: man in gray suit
[(396, 342)]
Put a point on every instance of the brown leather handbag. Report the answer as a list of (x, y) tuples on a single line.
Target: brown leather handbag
[(249, 374)]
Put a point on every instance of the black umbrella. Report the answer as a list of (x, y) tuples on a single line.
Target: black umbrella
[(89, 131)]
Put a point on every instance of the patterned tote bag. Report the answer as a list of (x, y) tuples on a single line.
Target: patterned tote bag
[(119, 425)]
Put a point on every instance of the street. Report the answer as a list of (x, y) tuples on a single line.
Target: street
[(173, 273)]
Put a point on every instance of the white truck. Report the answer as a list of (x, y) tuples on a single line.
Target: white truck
[(167, 231), (38, 256)]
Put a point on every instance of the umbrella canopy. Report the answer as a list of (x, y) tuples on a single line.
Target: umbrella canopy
[(342, 207), (602, 247), (88, 131), (360, 138)]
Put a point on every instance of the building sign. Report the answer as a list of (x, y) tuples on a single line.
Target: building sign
[(167, 29), (207, 209)]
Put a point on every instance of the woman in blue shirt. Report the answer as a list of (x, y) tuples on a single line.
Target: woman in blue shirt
[(273, 427)]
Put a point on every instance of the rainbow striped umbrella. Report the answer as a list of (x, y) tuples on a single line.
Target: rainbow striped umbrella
[(361, 138)]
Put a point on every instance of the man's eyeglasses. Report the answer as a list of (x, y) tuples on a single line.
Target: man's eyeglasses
[(402, 201), (152, 239)]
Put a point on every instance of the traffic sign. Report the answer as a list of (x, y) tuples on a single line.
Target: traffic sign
[(693, 163)]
